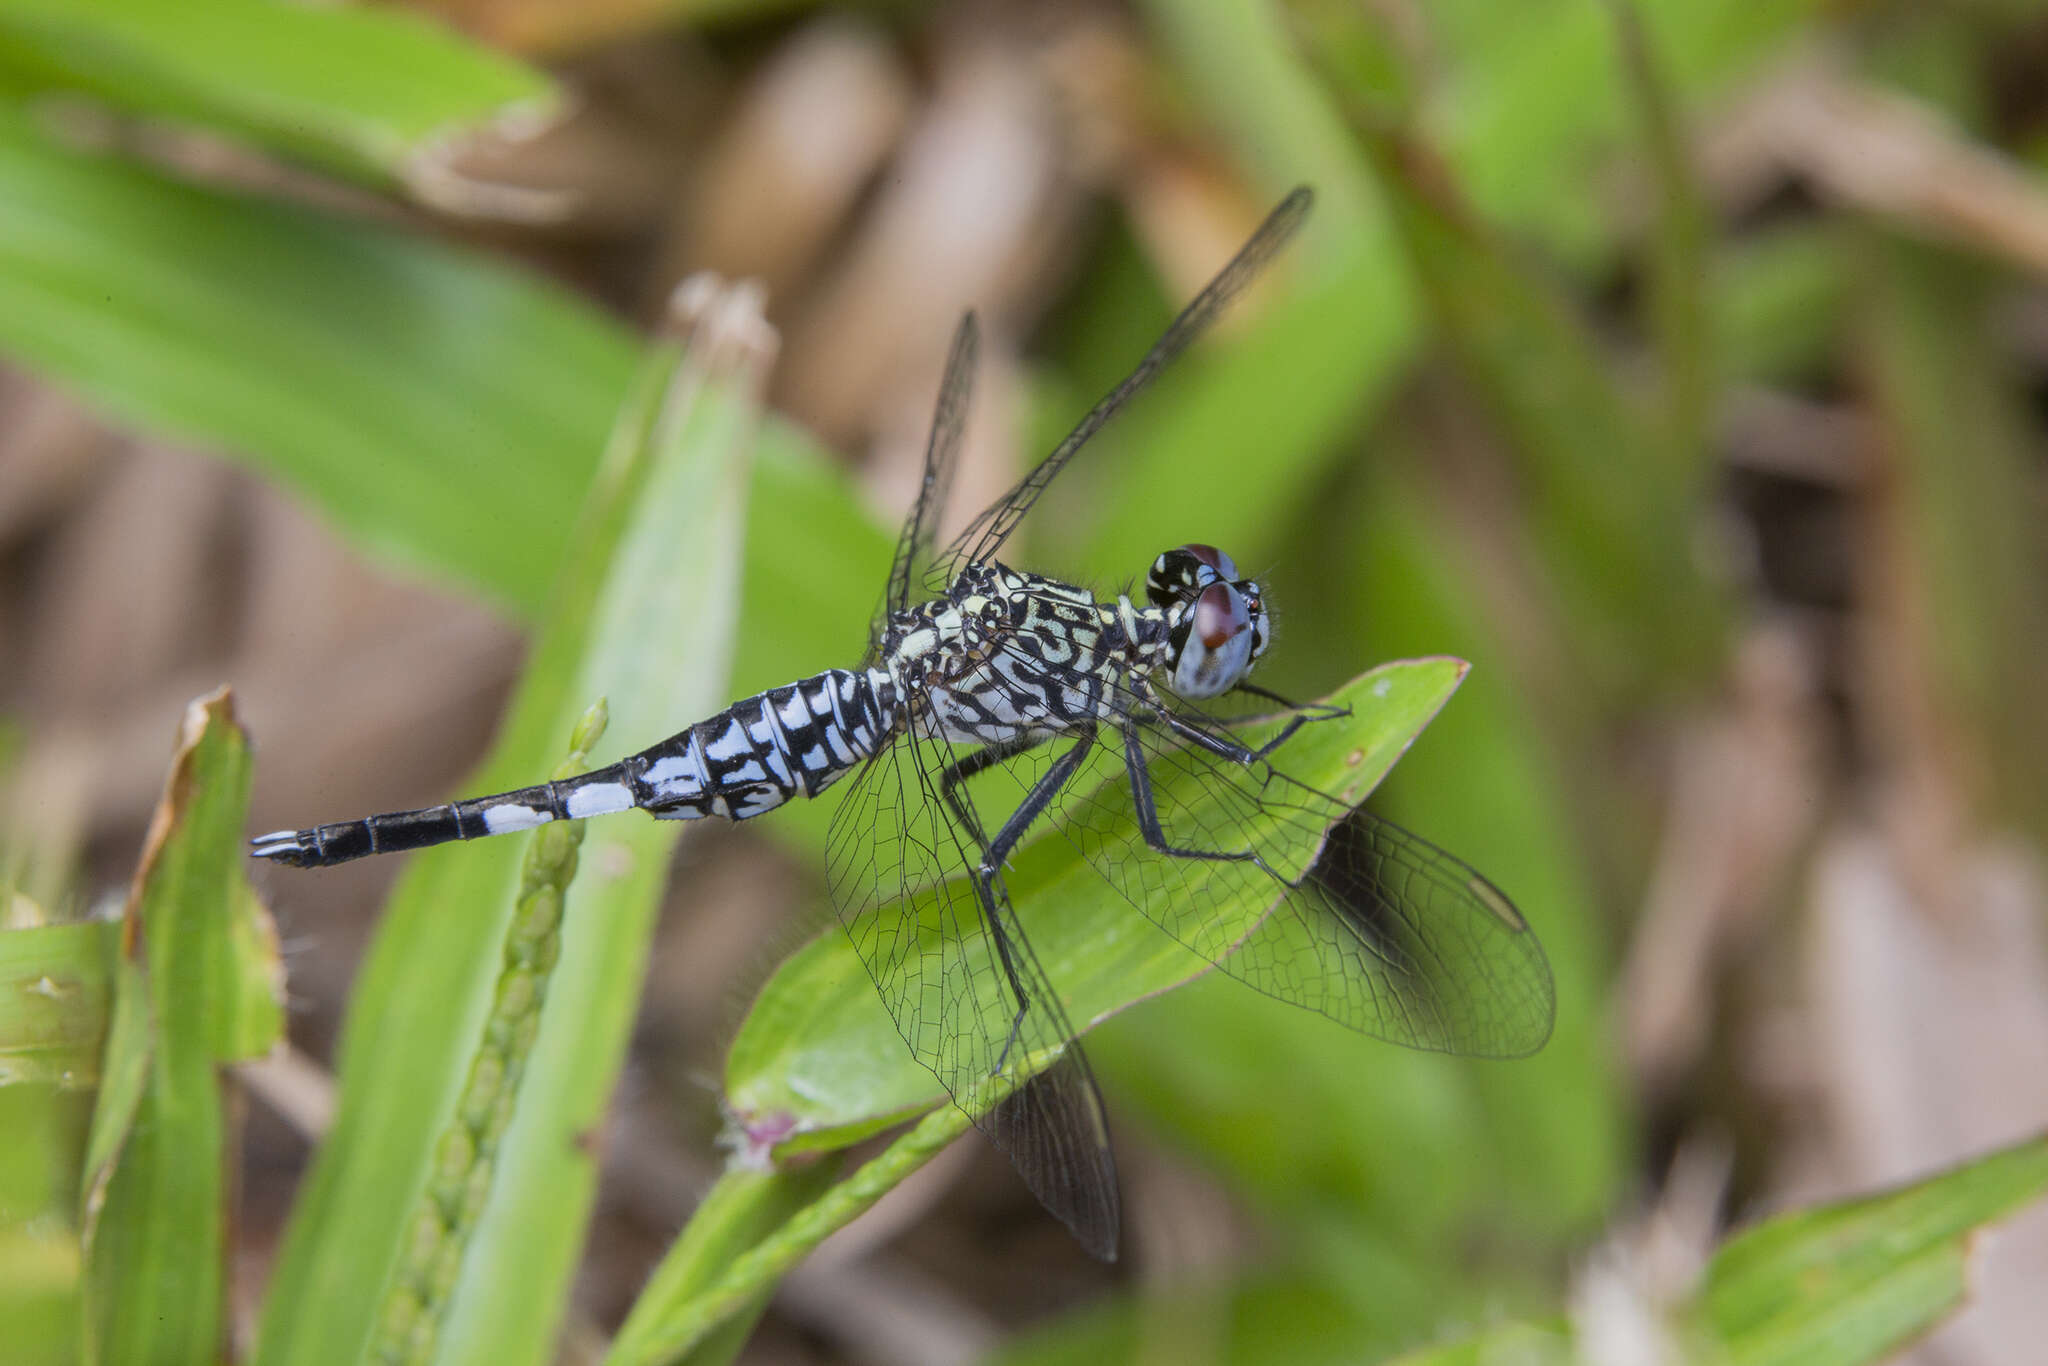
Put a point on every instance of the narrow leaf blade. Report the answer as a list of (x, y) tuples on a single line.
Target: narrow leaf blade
[(360, 91), (1850, 1282), (658, 543), (155, 1216), (442, 409)]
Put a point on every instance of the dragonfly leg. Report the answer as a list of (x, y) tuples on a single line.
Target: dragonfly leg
[(1222, 746), (1313, 711), (1303, 713), (1226, 748), (1147, 809), (961, 770), (988, 876)]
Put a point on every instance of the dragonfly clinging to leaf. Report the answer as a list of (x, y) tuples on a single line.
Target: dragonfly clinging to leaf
[(976, 670)]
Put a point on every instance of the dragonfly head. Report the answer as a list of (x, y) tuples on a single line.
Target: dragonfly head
[(1216, 622)]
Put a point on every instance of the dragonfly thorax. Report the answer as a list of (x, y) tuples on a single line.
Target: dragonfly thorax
[(1006, 655), (1216, 621)]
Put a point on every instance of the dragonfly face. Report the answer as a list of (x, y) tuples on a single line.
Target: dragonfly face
[(1218, 621)]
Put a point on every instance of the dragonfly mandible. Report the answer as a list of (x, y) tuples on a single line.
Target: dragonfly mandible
[(977, 669)]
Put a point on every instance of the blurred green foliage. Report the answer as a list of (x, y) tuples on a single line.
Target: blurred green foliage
[(444, 409)]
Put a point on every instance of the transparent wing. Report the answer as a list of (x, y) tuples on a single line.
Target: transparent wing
[(949, 423), (1363, 922), (986, 534), (898, 865)]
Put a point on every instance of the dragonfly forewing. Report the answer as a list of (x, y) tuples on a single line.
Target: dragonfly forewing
[(1305, 897), (899, 867)]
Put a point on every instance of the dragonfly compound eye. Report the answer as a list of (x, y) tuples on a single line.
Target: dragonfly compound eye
[(1255, 606), (1216, 650), (1182, 573)]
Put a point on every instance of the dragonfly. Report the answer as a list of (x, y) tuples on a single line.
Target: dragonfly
[(994, 702)]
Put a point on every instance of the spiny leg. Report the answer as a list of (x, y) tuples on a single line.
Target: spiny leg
[(988, 876), (1148, 810), (1226, 748), (981, 761), (1222, 746), (955, 774), (1140, 774), (1302, 714)]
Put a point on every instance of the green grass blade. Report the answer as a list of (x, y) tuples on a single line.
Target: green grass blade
[(818, 1062), (55, 999), (442, 1223), (359, 91), (642, 614), (1845, 1284), (1679, 281), (1962, 527), (154, 1203), (41, 1141), (691, 1299), (249, 1018), (442, 409), (692, 1295), (1607, 500), (1851, 1282)]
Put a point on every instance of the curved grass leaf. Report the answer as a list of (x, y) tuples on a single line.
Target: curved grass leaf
[(1845, 1284), (357, 90), (818, 1062), (1851, 1282), (641, 615), (154, 1207), (444, 410), (743, 1210)]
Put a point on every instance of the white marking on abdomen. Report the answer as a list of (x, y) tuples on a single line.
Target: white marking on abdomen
[(752, 802), (599, 799), (677, 776), (795, 713), (730, 744), (506, 817)]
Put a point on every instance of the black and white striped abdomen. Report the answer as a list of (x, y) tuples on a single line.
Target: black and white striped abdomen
[(755, 755), (750, 758)]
